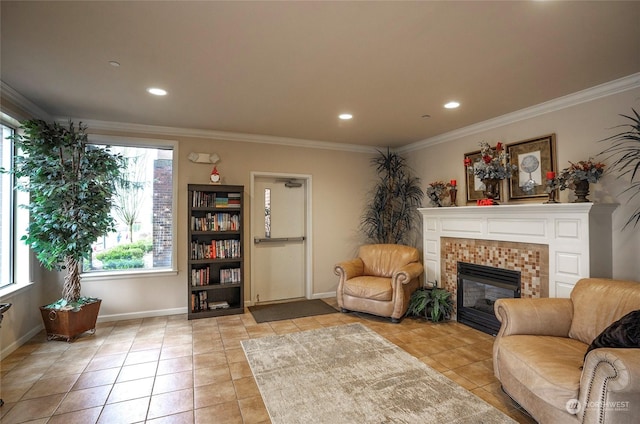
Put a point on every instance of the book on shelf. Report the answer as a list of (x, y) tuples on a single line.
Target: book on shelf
[(230, 200), (230, 276), (216, 222), (223, 304), (199, 301), (235, 200), (203, 199), (216, 249), (200, 277)]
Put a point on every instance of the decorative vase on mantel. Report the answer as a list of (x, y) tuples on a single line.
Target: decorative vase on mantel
[(581, 191), (492, 189)]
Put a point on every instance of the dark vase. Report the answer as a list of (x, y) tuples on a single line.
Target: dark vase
[(492, 189), (582, 191)]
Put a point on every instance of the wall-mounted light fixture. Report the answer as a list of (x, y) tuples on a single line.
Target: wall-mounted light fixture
[(203, 157)]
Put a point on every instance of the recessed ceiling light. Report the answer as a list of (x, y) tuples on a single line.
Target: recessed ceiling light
[(345, 116), (157, 91), (452, 105), (114, 63)]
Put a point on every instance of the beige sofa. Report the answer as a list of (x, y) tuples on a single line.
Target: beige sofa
[(380, 280), (538, 355)]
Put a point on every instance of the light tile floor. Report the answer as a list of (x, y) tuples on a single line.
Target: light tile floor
[(171, 370)]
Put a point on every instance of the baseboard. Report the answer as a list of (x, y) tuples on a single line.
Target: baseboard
[(323, 295), (142, 314), (22, 340), (248, 303)]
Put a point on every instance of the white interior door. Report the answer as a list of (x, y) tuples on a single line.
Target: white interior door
[(279, 240)]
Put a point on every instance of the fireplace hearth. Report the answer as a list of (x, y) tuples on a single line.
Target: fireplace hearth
[(479, 286)]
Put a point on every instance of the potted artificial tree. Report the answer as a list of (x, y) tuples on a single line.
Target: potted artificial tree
[(391, 213), (71, 184), (625, 150)]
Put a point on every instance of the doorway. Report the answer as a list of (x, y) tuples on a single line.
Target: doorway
[(280, 248)]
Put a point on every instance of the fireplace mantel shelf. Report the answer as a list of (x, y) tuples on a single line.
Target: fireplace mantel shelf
[(578, 235)]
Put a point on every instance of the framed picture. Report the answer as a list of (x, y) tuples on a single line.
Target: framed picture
[(534, 158), (474, 186)]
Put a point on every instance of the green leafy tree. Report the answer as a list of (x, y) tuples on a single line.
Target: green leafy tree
[(129, 189), (391, 212), (71, 185), (625, 153)]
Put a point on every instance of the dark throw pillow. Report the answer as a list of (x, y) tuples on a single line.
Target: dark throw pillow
[(623, 333)]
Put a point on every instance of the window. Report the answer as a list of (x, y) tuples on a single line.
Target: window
[(267, 212), (143, 211), (7, 199)]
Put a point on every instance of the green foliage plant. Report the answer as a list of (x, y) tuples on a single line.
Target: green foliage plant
[(71, 185), (125, 256), (433, 304), (625, 152), (391, 213)]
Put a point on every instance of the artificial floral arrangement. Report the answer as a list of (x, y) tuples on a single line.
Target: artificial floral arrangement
[(437, 192), (588, 170), (492, 164)]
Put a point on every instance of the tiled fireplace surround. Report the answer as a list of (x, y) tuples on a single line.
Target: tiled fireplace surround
[(532, 260), (552, 245)]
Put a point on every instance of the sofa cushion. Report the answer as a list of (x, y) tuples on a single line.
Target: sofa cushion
[(550, 367), (623, 333), (376, 288), (597, 303)]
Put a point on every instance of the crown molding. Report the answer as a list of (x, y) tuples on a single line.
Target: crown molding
[(22, 102), (223, 136), (31, 108), (603, 90)]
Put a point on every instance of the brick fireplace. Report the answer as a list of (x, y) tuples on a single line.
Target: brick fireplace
[(552, 245)]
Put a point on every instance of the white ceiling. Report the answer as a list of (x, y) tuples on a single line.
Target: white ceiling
[(287, 69)]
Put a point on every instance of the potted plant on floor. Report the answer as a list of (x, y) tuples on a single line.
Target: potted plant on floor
[(433, 304), (71, 184)]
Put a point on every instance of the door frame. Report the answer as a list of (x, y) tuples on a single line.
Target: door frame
[(308, 275)]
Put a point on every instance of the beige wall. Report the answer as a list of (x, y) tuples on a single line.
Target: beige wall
[(578, 129), (340, 180)]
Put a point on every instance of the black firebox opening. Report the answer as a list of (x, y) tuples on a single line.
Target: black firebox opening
[(479, 286)]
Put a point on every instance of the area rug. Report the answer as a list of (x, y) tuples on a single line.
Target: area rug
[(290, 310), (350, 374)]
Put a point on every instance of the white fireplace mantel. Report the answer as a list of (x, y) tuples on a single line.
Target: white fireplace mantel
[(578, 235)]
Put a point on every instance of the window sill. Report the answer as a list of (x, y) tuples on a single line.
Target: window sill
[(13, 290), (124, 275)]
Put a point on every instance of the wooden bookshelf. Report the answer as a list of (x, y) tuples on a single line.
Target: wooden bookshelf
[(215, 281)]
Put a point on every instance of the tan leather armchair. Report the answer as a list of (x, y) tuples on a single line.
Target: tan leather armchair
[(538, 355), (380, 280)]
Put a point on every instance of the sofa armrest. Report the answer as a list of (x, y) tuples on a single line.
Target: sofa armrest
[(610, 386), (407, 273), (544, 317), (349, 269)]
